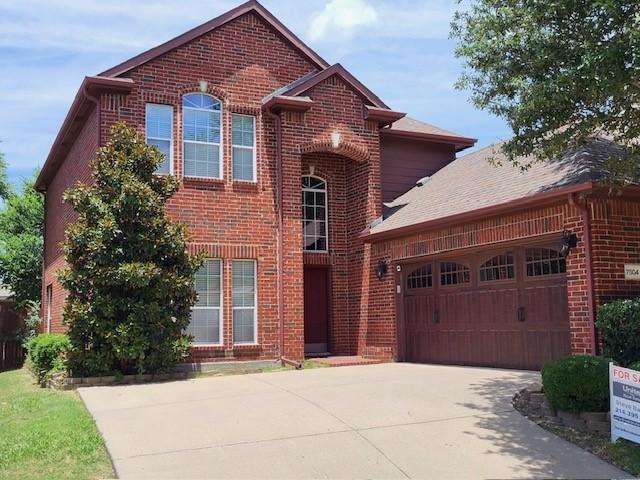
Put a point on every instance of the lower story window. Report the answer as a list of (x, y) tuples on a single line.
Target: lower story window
[(206, 324), (244, 302)]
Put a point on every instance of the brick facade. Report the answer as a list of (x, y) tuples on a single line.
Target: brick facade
[(244, 61)]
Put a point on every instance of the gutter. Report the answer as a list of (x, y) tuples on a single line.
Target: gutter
[(279, 243), (460, 143), (492, 210)]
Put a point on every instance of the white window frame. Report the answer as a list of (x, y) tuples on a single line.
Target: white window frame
[(147, 137), (253, 148), (220, 145), (255, 301), (221, 308), (49, 299), (326, 211)]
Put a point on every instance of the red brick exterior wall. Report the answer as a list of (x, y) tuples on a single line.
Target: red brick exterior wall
[(244, 61)]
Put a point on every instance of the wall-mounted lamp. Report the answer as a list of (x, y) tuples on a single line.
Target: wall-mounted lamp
[(568, 241), (381, 269), (204, 85)]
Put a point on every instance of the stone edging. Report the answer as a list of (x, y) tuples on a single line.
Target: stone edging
[(532, 403), (62, 382)]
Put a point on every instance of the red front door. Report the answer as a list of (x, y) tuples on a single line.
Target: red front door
[(316, 310)]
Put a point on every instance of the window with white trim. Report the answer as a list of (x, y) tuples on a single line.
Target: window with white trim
[(314, 214), (244, 301), (243, 142), (159, 132), (202, 136), (206, 314)]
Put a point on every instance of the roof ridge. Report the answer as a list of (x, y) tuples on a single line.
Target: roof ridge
[(210, 25)]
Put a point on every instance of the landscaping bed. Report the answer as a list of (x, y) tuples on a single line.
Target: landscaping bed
[(47, 434), (586, 430)]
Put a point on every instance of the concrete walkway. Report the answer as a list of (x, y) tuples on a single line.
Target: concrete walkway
[(376, 421)]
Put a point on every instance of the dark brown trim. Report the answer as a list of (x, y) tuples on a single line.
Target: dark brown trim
[(292, 104), (460, 143), (382, 115), (250, 6), (490, 211), (342, 72), (85, 101)]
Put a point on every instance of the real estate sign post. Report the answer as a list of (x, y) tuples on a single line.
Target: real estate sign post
[(624, 388)]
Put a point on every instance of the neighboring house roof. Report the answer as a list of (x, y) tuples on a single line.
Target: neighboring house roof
[(411, 128), (250, 6), (472, 183)]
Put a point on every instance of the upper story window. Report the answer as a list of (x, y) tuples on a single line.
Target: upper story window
[(452, 273), (421, 277), (500, 267), (544, 261), (314, 214), (202, 134), (243, 141), (159, 131)]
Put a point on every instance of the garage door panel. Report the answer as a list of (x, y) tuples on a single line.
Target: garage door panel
[(513, 322)]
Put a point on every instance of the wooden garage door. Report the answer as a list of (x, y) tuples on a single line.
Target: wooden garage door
[(502, 309)]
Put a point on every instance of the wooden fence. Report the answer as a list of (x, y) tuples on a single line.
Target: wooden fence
[(11, 355)]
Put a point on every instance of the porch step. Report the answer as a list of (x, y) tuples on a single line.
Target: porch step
[(345, 361)]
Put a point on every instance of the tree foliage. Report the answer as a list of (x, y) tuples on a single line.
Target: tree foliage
[(5, 186), (560, 72), (129, 277), (21, 242)]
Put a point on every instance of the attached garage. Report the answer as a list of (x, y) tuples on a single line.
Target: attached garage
[(501, 308)]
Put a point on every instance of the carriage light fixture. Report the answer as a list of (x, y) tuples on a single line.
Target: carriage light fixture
[(381, 269), (569, 240)]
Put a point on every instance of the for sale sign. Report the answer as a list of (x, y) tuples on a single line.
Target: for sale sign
[(624, 388)]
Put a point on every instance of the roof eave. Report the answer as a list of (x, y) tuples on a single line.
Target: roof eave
[(520, 203), (292, 104), (81, 107), (383, 116), (460, 143), (250, 6)]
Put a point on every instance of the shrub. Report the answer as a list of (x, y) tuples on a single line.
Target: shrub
[(46, 354), (635, 366), (619, 323), (129, 277), (577, 384)]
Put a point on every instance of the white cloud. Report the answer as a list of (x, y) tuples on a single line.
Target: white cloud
[(342, 16)]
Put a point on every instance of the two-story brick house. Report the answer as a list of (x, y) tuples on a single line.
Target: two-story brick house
[(285, 162)]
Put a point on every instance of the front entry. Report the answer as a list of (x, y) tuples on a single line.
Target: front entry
[(316, 310)]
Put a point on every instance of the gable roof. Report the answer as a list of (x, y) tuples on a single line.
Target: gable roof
[(471, 183), (309, 81), (250, 6)]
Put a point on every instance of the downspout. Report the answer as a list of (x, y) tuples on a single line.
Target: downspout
[(586, 231), (279, 236)]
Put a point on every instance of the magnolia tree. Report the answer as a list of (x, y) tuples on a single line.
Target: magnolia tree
[(129, 277)]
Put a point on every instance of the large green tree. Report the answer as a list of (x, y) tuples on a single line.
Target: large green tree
[(560, 72), (129, 277), (21, 242), (5, 186)]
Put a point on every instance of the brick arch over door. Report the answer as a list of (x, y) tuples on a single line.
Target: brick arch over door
[(346, 148)]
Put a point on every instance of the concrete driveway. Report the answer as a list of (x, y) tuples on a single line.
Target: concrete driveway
[(377, 421)]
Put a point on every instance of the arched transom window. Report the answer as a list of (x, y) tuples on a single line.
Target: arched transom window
[(421, 277), (202, 135), (500, 267), (544, 261), (314, 214), (452, 273)]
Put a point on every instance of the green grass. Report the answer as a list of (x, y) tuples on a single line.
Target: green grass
[(623, 454), (47, 434)]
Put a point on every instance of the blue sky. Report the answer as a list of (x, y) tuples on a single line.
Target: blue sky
[(398, 48)]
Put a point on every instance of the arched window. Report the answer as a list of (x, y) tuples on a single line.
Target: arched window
[(421, 277), (314, 214), (452, 273), (500, 267), (202, 135), (544, 261)]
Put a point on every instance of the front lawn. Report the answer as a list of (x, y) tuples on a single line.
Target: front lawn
[(47, 434)]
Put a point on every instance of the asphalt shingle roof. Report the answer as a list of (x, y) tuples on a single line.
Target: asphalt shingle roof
[(408, 124), (472, 182)]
